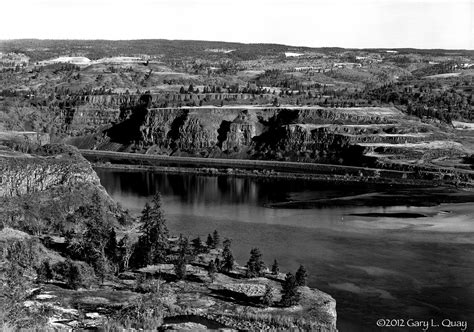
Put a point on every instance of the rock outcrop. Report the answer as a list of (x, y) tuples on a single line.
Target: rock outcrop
[(22, 174), (42, 191), (377, 137), (293, 133)]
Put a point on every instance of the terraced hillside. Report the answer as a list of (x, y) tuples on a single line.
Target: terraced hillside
[(378, 137)]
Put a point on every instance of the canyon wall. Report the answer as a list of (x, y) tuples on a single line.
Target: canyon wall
[(49, 167), (313, 134)]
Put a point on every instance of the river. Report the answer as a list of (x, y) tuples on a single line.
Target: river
[(401, 262)]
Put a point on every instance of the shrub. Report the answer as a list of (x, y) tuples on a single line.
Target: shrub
[(145, 313), (44, 272)]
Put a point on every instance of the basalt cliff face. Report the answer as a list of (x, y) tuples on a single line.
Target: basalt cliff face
[(42, 190), (22, 174), (354, 136), (81, 115)]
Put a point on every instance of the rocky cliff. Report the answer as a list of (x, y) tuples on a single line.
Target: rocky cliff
[(43, 190), (381, 137), (22, 174), (292, 133), (85, 114)]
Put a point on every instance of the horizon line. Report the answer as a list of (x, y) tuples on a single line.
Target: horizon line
[(234, 42)]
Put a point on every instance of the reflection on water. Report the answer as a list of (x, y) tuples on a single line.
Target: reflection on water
[(380, 267)]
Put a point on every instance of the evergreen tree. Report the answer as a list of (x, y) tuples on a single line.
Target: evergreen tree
[(183, 246), (210, 241), (101, 268), (198, 246), (125, 250), (255, 265), (275, 268), (180, 268), (218, 264), (290, 295), (227, 256), (110, 249), (211, 270), (216, 239), (267, 298), (180, 264), (73, 274), (301, 276), (153, 242), (95, 237)]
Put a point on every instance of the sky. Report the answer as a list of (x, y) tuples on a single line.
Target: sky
[(447, 24)]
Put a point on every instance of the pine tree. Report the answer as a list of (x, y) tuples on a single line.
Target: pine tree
[(301, 276), (183, 246), (218, 264), (267, 298), (125, 251), (198, 246), (73, 274), (180, 268), (111, 247), (290, 295), (101, 268), (227, 256), (180, 265), (275, 268), (216, 239), (95, 237), (153, 242), (210, 241), (255, 265), (211, 270)]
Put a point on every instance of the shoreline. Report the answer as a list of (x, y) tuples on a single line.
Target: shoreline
[(272, 169), (269, 174)]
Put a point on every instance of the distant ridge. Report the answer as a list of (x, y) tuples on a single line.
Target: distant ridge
[(42, 49)]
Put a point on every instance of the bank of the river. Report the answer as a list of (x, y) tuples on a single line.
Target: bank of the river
[(235, 172), (268, 169)]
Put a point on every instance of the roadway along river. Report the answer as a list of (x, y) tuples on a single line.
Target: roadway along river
[(395, 262)]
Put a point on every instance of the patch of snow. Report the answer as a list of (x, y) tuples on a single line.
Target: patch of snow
[(93, 315), (463, 125), (45, 296), (66, 310), (293, 54), (420, 145), (77, 60), (220, 50), (29, 303), (120, 59), (446, 75)]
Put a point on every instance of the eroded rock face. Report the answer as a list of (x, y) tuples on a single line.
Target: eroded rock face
[(22, 174), (193, 130), (46, 190), (357, 136), (307, 134)]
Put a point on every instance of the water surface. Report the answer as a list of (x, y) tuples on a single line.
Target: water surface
[(375, 267)]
